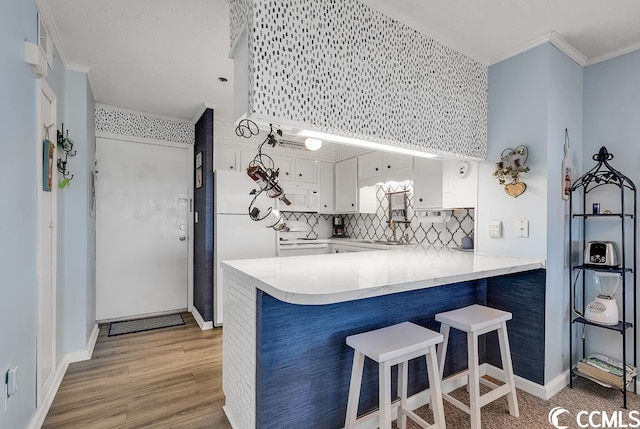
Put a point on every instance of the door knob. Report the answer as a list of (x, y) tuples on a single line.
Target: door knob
[(182, 227), (182, 238)]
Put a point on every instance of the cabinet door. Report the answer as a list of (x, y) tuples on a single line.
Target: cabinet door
[(369, 165), (225, 158), (427, 184), (346, 186), (326, 188), (306, 170), (284, 164), (396, 161)]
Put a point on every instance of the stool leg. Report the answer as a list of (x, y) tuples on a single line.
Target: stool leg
[(442, 348), (474, 380), (384, 370), (507, 367), (403, 378), (435, 388), (354, 390)]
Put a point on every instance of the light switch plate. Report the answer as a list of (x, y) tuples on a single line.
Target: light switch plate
[(522, 228), (495, 229)]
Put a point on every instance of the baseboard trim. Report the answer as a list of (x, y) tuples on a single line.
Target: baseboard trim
[(200, 321), (231, 419), (141, 316), (78, 356), (82, 355), (543, 392)]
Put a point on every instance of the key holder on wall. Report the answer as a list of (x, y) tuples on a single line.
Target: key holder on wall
[(511, 165), (66, 144)]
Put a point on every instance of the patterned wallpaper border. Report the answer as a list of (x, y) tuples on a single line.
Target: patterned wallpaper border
[(345, 68), (139, 124)]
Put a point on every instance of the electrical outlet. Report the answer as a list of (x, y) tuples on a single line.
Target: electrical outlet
[(522, 228), (495, 229)]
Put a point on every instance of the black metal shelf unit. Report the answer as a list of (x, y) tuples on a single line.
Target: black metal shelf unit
[(603, 174)]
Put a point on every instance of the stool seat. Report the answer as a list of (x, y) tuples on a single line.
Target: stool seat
[(392, 342), (477, 320), (473, 318), (389, 346)]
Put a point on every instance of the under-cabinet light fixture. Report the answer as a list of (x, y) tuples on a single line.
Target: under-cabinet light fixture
[(313, 144), (364, 143)]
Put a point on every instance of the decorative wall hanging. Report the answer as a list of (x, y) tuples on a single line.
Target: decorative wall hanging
[(66, 144), (511, 165), (566, 168), (47, 164)]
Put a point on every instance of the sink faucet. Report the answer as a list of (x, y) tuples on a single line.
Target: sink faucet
[(393, 225)]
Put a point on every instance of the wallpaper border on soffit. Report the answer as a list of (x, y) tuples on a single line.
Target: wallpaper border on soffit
[(344, 68), (115, 120)]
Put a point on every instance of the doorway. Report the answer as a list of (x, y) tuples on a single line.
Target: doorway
[(47, 244), (142, 228)]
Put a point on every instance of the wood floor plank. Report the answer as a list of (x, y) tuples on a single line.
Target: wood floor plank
[(165, 378)]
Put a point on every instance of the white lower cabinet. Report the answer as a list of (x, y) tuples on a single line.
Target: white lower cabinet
[(346, 186)]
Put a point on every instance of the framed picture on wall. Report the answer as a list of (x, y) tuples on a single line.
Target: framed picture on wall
[(47, 164), (199, 159), (92, 193), (199, 177)]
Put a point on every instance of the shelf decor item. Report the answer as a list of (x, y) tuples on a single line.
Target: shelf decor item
[(511, 165), (615, 267)]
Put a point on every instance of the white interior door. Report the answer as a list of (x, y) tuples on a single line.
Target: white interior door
[(47, 256), (142, 204)]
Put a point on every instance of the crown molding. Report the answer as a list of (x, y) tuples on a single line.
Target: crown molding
[(204, 106), (604, 57), (552, 37)]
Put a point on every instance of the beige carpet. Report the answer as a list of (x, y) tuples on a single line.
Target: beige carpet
[(534, 411)]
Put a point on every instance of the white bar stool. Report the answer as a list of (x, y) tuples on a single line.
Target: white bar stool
[(476, 320), (395, 345)]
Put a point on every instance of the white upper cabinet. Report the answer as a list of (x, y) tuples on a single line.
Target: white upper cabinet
[(392, 162), (285, 165), (369, 165), (306, 170), (226, 159), (326, 188), (459, 184), (346, 186), (427, 184)]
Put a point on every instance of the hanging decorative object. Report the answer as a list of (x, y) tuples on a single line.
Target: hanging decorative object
[(263, 171), (511, 165), (66, 144), (566, 168)]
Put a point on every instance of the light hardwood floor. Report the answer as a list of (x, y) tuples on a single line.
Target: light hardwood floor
[(166, 378)]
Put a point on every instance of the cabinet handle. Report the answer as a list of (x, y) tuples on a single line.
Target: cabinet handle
[(388, 166), (420, 200), (352, 205), (377, 169), (286, 173), (300, 174), (325, 206), (231, 167)]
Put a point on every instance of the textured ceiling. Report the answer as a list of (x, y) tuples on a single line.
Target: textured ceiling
[(165, 56)]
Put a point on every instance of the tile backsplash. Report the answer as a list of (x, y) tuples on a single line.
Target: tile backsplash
[(374, 226)]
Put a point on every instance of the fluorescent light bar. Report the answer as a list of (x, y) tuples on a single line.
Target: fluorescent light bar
[(364, 143)]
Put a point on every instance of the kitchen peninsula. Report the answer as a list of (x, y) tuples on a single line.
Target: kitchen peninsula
[(286, 363)]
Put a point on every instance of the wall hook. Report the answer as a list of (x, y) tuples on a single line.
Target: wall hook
[(66, 144)]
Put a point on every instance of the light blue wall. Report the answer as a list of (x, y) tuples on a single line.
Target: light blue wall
[(564, 111), (79, 293), (533, 97), (18, 163), (611, 119)]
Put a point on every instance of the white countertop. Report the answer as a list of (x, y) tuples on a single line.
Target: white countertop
[(331, 278)]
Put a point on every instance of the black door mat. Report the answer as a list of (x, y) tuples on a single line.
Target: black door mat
[(139, 325)]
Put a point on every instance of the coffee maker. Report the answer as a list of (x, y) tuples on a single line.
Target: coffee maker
[(338, 226)]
